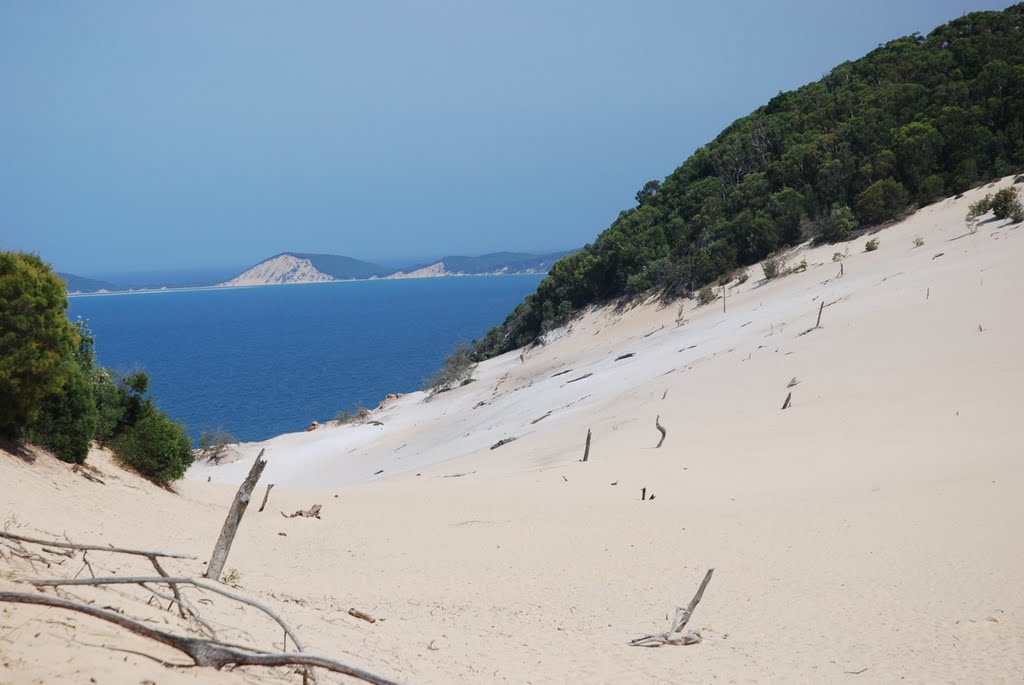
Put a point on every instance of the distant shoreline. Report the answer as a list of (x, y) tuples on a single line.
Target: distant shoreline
[(198, 288)]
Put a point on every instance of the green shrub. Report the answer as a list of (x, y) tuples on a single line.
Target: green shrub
[(977, 210), (1017, 213), (1004, 202), (458, 368), (155, 446), (918, 241), (35, 338), (742, 278), (836, 226), (883, 200), (871, 245), (213, 444), (705, 295), (66, 422), (356, 415), (773, 266)]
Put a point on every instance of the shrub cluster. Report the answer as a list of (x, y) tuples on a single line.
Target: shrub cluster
[(54, 394), (457, 370)]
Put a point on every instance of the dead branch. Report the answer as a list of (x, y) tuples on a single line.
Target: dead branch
[(586, 450), (820, 310), (141, 580), (661, 429), (266, 496), (234, 518), (503, 441), (789, 397), (679, 622), (361, 615), (312, 513), (95, 548), (202, 652)]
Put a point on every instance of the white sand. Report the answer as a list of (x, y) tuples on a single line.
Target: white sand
[(876, 524)]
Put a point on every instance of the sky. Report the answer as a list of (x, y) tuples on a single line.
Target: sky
[(142, 135)]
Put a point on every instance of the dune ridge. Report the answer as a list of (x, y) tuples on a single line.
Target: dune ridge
[(870, 530)]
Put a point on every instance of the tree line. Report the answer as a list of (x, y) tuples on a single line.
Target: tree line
[(917, 119)]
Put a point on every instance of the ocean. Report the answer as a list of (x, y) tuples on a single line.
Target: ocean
[(262, 361)]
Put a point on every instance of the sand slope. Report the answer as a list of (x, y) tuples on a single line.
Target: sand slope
[(875, 524)]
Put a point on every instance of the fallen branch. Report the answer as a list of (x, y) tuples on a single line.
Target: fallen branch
[(96, 548), (789, 397), (503, 441), (661, 429), (355, 613), (682, 617), (586, 449), (312, 513), (202, 652), (266, 496), (586, 375)]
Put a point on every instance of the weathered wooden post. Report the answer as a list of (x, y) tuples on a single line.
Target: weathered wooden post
[(586, 450), (238, 507)]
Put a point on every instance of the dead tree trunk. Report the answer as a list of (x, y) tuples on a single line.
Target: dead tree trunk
[(661, 429), (586, 450), (238, 507), (266, 496)]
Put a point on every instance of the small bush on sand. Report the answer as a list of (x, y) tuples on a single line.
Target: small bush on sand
[(977, 210), (742, 278), (213, 445), (871, 245), (155, 446), (773, 266), (705, 295), (458, 368), (355, 415), (918, 241), (1004, 202)]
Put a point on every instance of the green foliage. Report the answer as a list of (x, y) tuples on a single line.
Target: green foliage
[(773, 266), (977, 210), (155, 446), (213, 444), (67, 419), (918, 118), (35, 338), (881, 201), (1004, 202), (457, 370), (871, 245), (233, 577), (742, 278), (705, 295), (355, 415), (1017, 213)]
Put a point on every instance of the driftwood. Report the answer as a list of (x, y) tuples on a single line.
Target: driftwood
[(361, 615), (503, 441), (234, 517), (661, 429), (202, 652), (586, 449), (586, 375), (540, 419), (820, 310), (312, 513), (96, 548), (789, 397), (682, 617), (266, 496), (625, 356)]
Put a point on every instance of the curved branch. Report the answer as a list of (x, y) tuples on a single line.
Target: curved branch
[(202, 652), (97, 548)]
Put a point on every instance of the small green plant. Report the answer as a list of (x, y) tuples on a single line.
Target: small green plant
[(838, 256), (918, 241), (213, 444), (773, 266), (706, 295), (1004, 203), (358, 414), (232, 577), (977, 210), (1017, 213), (458, 368), (742, 278), (871, 245)]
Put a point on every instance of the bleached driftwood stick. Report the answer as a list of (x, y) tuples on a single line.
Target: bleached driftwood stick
[(97, 548), (266, 496), (661, 429), (679, 622), (202, 652), (586, 449), (234, 517)]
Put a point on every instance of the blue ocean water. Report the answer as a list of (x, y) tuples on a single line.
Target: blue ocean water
[(263, 361)]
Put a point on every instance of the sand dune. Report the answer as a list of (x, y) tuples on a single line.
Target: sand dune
[(875, 524)]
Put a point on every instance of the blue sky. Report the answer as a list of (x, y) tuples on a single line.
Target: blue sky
[(162, 135)]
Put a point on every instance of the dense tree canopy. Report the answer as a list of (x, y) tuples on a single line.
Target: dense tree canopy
[(914, 120), (35, 338)]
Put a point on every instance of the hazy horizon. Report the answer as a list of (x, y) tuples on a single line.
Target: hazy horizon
[(140, 137)]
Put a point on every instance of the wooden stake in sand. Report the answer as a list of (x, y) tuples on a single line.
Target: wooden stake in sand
[(820, 310), (661, 429), (266, 496), (586, 450), (238, 507), (789, 396)]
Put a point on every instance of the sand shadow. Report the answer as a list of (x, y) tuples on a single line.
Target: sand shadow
[(18, 450)]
